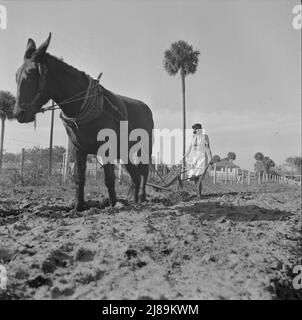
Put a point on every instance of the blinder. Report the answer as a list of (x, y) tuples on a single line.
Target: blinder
[(42, 70)]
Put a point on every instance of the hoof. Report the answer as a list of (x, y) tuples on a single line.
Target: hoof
[(113, 203), (133, 197), (141, 198), (79, 207), (119, 205)]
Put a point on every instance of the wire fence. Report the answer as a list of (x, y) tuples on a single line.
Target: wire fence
[(35, 170), (229, 175)]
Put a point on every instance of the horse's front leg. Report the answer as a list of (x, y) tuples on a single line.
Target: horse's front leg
[(80, 175), (110, 182)]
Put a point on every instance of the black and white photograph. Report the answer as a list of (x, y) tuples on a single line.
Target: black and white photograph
[(150, 150)]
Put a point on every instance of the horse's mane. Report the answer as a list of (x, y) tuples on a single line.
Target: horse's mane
[(67, 66)]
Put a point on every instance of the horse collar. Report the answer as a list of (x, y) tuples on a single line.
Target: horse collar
[(91, 108)]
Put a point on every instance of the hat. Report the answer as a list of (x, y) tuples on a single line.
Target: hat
[(197, 126)]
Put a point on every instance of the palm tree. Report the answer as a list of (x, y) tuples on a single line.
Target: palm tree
[(259, 156), (298, 164), (268, 164), (181, 58), (216, 158), (231, 156), (7, 102), (259, 165)]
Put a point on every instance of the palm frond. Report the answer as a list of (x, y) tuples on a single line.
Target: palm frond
[(181, 56), (171, 62)]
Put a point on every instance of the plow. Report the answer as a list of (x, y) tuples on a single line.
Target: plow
[(177, 176)]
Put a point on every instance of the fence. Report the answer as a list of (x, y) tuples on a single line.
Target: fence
[(229, 175), (39, 170), (26, 171), (243, 176)]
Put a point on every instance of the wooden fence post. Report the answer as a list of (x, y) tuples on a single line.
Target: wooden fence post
[(22, 165), (96, 168), (249, 177), (51, 141), (157, 161), (66, 162), (226, 177), (214, 173), (120, 169)]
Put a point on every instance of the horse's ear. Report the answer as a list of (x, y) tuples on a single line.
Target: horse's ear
[(30, 49), (42, 49)]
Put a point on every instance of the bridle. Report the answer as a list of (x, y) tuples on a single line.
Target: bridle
[(42, 70), (41, 83), (79, 96)]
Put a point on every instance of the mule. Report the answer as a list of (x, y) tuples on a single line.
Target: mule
[(86, 108)]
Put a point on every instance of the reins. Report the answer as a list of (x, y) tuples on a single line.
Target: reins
[(75, 98)]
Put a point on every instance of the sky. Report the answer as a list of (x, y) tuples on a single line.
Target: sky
[(246, 91)]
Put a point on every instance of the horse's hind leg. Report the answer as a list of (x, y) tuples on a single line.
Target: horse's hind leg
[(134, 174), (144, 172), (110, 182)]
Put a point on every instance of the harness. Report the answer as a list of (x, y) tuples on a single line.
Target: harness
[(93, 107), (96, 101)]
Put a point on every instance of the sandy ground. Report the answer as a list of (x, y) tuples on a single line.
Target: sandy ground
[(239, 244)]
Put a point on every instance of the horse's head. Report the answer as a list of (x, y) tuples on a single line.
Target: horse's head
[(31, 80)]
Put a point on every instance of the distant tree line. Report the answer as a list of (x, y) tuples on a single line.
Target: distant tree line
[(231, 156), (39, 156), (294, 165)]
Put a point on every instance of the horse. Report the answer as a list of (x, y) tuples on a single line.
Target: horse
[(86, 109)]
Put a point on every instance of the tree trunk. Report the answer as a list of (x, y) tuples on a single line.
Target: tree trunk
[(183, 87), (2, 141)]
